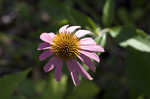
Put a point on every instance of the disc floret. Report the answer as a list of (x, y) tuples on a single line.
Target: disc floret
[(65, 45)]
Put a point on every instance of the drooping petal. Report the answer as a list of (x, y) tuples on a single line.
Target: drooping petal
[(47, 37), (87, 41), (70, 66), (45, 55), (50, 65), (81, 70), (87, 62), (81, 33), (58, 66), (72, 29), (63, 29), (90, 55), (73, 73), (92, 48), (75, 78), (43, 46)]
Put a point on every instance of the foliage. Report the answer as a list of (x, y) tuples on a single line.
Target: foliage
[(8, 83)]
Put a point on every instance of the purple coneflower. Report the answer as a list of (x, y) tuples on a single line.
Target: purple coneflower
[(68, 46)]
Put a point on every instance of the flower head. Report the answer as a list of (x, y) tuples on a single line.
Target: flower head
[(68, 46)]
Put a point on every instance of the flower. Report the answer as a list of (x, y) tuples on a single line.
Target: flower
[(67, 47)]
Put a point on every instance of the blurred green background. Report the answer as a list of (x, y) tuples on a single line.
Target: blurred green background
[(122, 27)]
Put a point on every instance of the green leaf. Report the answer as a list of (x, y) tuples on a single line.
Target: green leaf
[(138, 71), (101, 39), (141, 33), (108, 12), (9, 82), (101, 36), (140, 43), (140, 97), (55, 89), (86, 90), (123, 33), (129, 36), (115, 31), (27, 88)]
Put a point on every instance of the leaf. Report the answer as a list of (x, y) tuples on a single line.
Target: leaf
[(55, 89), (129, 36), (138, 71), (27, 88), (101, 36), (108, 12), (86, 90), (101, 39), (123, 33), (139, 43), (115, 31), (141, 32), (9, 82)]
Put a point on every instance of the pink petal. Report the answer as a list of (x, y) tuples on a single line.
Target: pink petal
[(45, 55), (73, 73), (50, 65), (70, 66), (81, 33), (87, 41), (90, 55), (43, 46), (58, 64), (81, 70), (63, 29), (75, 78), (72, 29), (93, 48), (47, 37), (87, 62)]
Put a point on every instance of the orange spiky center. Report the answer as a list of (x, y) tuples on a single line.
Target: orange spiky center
[(65, 45)]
